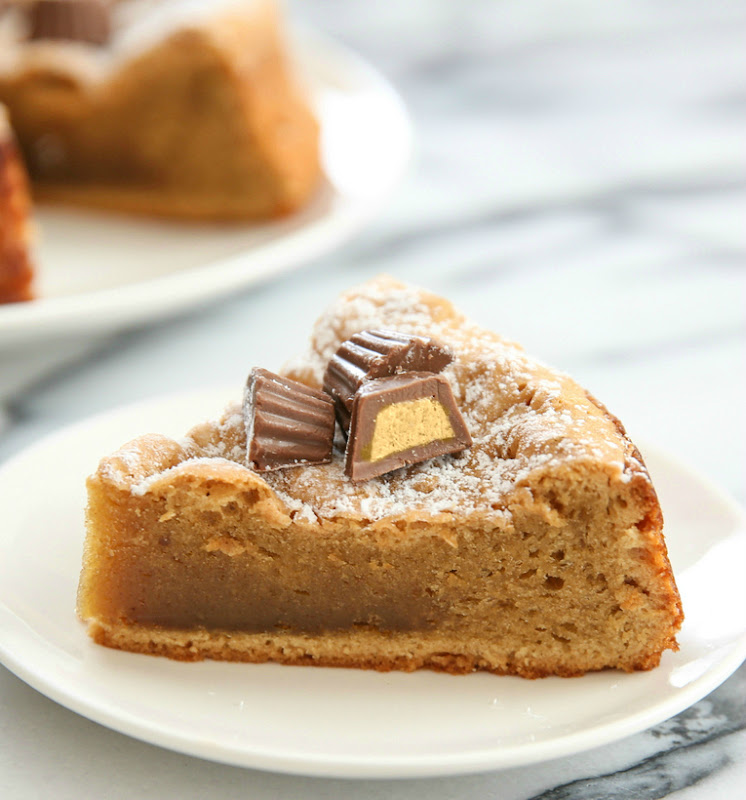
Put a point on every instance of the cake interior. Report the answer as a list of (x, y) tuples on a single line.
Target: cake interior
[(535, 586)]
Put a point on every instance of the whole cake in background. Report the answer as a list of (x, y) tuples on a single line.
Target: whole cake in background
[(176, 108), (16, 271), (531, 544)]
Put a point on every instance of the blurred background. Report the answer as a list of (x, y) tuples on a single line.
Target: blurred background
[(578, 183)]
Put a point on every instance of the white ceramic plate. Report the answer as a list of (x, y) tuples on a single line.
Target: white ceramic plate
[(338, 722), (100, 273)]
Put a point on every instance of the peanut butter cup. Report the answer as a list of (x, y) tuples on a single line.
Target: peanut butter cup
[(378, 354), (287, 423), (401, 420)]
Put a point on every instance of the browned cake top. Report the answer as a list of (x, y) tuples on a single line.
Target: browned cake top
[(525, 421)]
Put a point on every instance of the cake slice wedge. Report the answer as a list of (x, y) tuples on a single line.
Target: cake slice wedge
[(536, 551)]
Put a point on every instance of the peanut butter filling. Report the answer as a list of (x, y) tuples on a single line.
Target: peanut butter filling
[(401, 426)]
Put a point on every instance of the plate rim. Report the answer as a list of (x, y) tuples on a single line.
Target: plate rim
[(484, 759)]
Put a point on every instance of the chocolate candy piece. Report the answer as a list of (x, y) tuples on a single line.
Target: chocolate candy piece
[(400, 420), (378, 354), (73, 20), (287, 423)]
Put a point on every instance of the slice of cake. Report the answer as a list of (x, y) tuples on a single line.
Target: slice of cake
[(16, 271), (167, 107), (537, 550)]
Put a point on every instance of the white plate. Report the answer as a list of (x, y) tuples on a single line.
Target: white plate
[(103, 272), (338, 722)]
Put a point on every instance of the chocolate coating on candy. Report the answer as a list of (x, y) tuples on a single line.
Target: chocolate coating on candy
[(287, 423), (72, 20), (401, 420), (378, 354)]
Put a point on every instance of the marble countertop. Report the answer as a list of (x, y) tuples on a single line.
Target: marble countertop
[(579, 184)]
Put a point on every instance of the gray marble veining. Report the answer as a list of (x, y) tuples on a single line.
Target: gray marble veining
[(704, 739)]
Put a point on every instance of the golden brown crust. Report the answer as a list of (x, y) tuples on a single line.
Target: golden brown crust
[(652, 523), (16, 270)]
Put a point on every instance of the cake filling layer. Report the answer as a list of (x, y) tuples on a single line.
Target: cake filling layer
[(402, 426), (249, 587)]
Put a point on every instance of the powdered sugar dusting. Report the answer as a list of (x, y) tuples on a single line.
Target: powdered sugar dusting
[(143, 487), (522, 417)]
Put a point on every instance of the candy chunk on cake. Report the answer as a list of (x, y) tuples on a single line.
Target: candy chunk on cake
[(535, 549)]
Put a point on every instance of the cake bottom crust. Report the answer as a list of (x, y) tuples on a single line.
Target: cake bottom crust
[(360, 649)]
